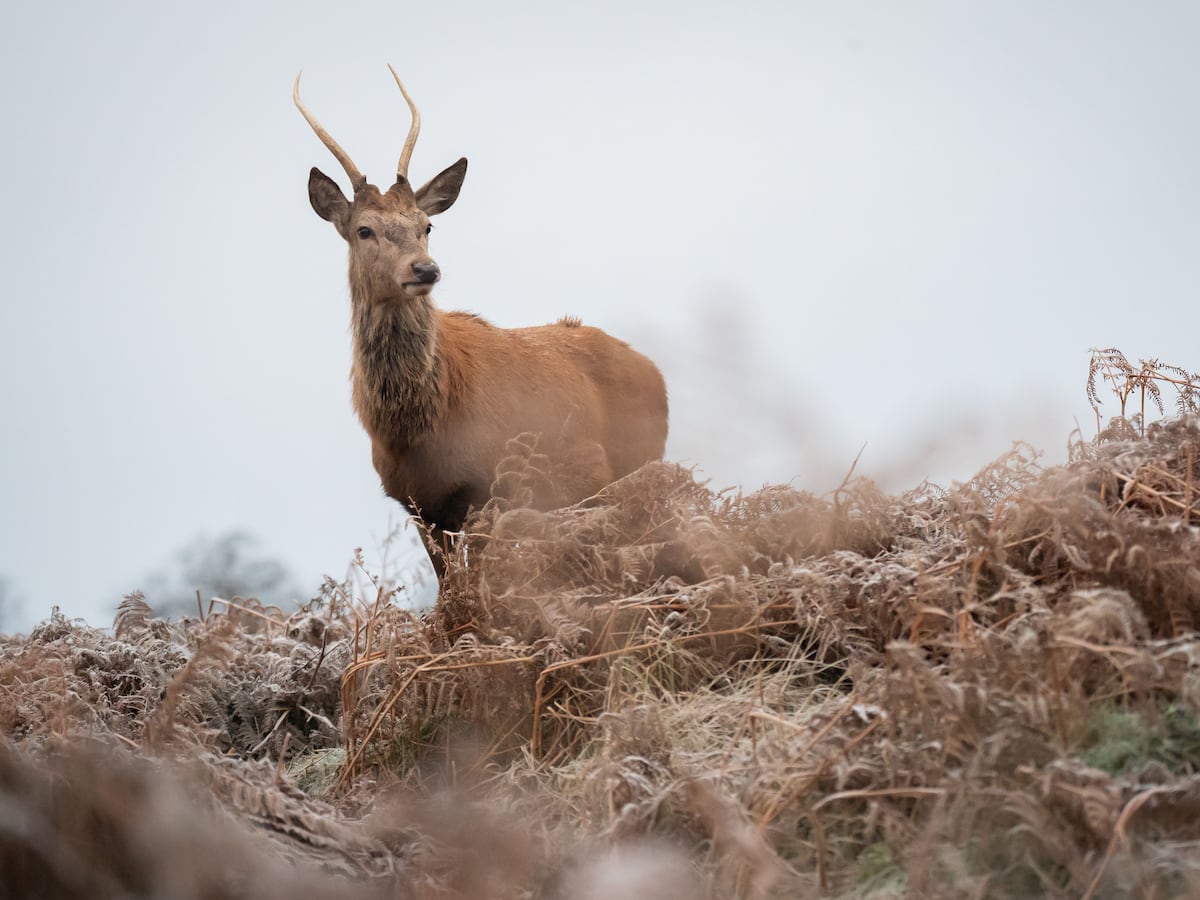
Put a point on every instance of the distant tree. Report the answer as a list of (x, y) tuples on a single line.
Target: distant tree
[(227, 566)]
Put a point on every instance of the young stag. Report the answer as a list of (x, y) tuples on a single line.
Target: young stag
[(441, 393)]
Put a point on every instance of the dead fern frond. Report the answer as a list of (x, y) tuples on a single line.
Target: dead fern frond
[(1111, 366)]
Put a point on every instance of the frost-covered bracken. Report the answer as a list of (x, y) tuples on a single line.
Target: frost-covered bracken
[(987, 690)]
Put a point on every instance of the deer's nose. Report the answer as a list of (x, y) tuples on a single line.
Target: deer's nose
[(427, 273)]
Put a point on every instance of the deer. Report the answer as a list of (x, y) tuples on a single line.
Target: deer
[(442, 394)]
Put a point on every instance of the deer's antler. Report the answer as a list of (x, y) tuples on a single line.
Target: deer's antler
[(411, 141), (357, 179)]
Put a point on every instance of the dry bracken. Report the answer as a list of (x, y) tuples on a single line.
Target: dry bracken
[(986, 690)]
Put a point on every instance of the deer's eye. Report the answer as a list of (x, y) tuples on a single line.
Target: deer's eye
[(364, 232), (428, 228)]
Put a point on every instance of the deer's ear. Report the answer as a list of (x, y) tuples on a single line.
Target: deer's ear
[(442, 190), (328, 200)]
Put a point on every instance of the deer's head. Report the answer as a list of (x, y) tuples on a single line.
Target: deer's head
[(387, 231)]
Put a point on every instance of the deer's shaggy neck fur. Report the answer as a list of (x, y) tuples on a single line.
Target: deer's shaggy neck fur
[(398, 374)]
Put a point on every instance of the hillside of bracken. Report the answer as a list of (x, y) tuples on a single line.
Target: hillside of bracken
[(986, 690)]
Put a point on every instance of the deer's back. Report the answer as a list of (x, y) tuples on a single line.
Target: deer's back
[(567, 382)]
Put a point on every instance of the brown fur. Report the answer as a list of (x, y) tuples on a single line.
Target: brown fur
[(440, 393)]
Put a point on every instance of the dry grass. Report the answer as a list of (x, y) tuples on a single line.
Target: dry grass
[(986, 691)]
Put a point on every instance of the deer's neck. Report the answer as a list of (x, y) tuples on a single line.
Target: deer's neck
[(398, 370)]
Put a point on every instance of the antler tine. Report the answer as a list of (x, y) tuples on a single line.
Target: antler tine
[(357, 179), (411, 141)]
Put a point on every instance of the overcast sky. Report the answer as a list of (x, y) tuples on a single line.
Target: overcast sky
[(831, 224)]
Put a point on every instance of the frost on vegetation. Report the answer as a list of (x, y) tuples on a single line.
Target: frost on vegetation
[(986, 690)]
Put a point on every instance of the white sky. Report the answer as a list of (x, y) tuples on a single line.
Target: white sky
[(830, 224)]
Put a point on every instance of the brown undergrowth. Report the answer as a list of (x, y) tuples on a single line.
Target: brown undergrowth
[(990, 690)]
